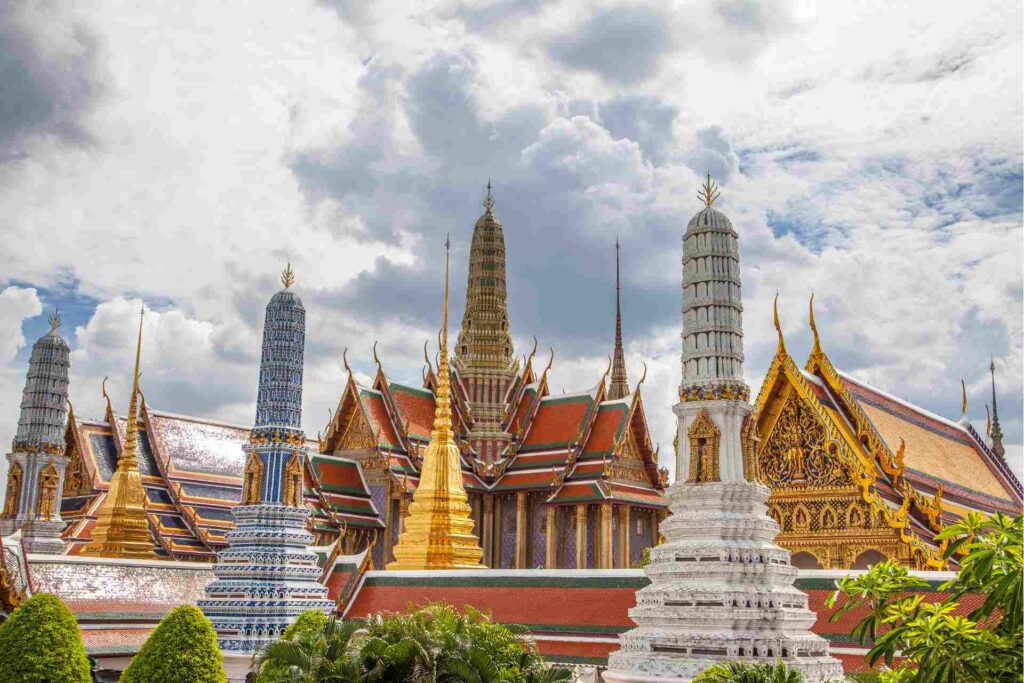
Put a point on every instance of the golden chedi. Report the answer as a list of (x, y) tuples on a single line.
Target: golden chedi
[(438, 531), (122, 529)]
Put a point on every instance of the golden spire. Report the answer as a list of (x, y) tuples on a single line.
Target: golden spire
[(963, 398), (438, 530), (708, 192), (55, 319), (122, 528), (778, 327), (288, 277), (816, 349)]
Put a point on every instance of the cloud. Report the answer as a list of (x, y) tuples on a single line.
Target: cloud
[(17, 304), (622, 44), (48, 74), (354, 137), (713, 154)]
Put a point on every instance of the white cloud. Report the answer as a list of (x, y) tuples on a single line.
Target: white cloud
[(867, 152)]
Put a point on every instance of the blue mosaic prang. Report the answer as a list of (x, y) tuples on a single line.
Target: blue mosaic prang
[(279, 402), (268, 576)]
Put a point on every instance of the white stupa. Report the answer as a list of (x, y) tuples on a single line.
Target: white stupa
[(720, 588)]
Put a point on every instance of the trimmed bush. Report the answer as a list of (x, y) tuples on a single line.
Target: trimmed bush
[(310, 621), (40, 643), (182, 649)]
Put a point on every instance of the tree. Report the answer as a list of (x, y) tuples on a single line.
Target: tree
[(741, 672), (938, 643), (433, 643), (182, 649), (312, 649), (41, 643), (310, 621)]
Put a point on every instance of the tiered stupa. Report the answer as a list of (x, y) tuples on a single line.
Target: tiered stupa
[(438, 532), (35, 475), (122, 527), (268, 576), (720, 588)]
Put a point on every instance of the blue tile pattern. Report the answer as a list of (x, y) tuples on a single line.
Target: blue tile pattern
[(268, 576)]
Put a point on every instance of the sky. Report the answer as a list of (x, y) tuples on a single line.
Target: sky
[(177, 155)]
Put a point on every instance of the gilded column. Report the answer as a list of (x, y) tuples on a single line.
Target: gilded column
[(581, 536), (522, 531), (551, 539), (606, 536), (624, 536), (403, 511), (488, 530)]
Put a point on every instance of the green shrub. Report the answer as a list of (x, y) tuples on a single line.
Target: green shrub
[(310, 621), (182, 649), (40, 643)]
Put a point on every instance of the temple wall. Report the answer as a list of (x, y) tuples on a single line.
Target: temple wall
[(576, 615)]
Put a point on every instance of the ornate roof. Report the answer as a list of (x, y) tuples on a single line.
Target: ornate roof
[(191, 470)]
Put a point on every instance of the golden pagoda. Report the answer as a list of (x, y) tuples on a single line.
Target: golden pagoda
[(122, 529), (438, 531)]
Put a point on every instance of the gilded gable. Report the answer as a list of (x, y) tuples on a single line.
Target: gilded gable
[(796, 452)]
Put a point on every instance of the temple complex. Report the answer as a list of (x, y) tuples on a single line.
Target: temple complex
[(858, 475), (482, 468), (554, 481)]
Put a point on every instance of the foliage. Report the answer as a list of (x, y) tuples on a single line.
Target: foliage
[(741, 672), (310, 621), (40, 643), (182, 649), (938, 644), (434, 643)]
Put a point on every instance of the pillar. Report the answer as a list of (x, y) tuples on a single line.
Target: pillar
[(606, 536), (581, 536), (403, 510), (487, 528), (522, 525), (551, 538), (624, 536)]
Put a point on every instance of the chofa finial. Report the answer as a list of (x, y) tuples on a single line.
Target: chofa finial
[(708, 192), (963, 397), (55, 319), (778, 327), (288, 276)]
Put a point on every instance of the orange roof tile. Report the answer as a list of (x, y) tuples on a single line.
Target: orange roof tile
[(557, 422)]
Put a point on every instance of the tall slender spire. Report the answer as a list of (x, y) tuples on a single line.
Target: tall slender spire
[(122, 528), (438, 531), (997, 432), (620, 384)]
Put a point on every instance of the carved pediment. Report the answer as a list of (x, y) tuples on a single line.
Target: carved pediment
[(795, 453)]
